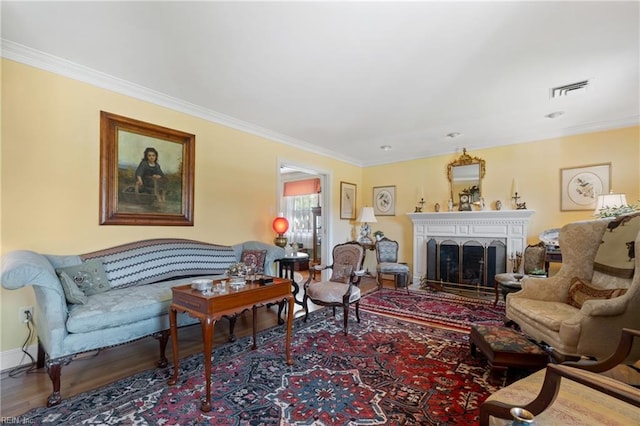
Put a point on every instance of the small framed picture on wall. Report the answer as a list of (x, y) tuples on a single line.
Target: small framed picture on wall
[(384, 200), (580, 186), (347, 200)]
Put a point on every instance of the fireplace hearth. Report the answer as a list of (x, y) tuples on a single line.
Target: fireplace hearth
[(466, 250)]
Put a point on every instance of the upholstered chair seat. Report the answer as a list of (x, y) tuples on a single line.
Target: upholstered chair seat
[(332, 292)]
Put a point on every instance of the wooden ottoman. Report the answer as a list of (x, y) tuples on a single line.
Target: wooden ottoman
[(506, 348)]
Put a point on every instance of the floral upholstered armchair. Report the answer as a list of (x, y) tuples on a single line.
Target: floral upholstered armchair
[(342, 288), (582, 310)]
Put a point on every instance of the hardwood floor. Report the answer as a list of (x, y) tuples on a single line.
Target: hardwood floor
[(27, 391)]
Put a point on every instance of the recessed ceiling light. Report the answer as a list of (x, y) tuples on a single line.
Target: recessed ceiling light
[(453, 135), (555, 114), (385, 147)]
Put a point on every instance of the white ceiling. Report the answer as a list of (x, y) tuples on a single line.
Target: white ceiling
[(345, 78)]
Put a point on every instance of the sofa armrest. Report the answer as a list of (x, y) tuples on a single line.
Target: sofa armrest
[(24, 268), (273, 253)]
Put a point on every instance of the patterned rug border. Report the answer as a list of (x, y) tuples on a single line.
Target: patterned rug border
[(434, 320)]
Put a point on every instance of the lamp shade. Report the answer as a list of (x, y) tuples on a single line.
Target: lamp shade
[(367, 215), (610, 200), (280, 225)]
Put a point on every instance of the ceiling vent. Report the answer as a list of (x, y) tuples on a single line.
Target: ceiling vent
[(569, 89)]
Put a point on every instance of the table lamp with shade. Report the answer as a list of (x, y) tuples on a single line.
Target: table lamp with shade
[(280, 226), (609, 204), (366, 216)]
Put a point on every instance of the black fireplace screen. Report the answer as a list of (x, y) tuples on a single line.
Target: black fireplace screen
[(470, 265)]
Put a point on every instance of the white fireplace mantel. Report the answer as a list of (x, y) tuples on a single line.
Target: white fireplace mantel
[(508, 226)]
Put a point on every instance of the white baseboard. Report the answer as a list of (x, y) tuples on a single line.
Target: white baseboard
[(15, 357)]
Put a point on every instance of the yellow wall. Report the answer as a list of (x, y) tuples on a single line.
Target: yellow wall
[(536, 167), (50, 177)]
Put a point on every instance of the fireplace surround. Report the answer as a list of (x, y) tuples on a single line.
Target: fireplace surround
[(466, 249)]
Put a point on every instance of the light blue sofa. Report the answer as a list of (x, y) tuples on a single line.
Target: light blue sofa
[(140, 276)]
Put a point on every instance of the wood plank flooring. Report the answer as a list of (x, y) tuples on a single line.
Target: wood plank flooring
[(27, 391)]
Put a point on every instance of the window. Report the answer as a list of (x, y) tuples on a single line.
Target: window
[(298, 211), (299, 197)]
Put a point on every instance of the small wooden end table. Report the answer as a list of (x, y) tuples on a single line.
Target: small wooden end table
[(210, 308)]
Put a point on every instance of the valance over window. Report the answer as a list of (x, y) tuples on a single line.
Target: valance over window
[(302, 187)]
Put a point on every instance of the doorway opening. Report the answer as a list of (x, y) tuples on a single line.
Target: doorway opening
[(303, 195)]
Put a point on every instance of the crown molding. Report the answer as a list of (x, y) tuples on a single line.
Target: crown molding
[(41, 60)]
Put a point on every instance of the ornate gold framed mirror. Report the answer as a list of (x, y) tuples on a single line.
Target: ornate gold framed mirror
[(465, 178)]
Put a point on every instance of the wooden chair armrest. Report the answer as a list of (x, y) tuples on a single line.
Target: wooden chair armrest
[(622, 351), (551, 388), (579, 372)]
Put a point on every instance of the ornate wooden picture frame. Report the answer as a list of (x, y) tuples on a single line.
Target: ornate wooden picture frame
[(348, 200), (146, 173)]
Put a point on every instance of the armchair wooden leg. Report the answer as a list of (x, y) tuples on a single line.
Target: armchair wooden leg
[(358, 310), (306, 307), (346, 318)]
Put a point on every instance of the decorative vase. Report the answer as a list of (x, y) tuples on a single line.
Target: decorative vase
[(522, 417), (436, 207)]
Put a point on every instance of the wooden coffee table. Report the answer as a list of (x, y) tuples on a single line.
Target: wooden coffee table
[(210, 308), (504, 348)]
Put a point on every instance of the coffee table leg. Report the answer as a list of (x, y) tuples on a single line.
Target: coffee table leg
[(173, 327), (289, 327), (255, 314), (207, 338)]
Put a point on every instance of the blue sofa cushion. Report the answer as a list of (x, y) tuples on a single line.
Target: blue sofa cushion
[(149, 261), (83, 280)]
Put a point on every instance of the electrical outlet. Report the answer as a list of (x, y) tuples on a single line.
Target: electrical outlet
[(23, 316)]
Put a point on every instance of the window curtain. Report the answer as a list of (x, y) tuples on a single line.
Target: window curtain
[(302, 187)]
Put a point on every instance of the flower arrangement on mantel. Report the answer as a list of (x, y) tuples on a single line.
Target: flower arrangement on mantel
[(617, 211)]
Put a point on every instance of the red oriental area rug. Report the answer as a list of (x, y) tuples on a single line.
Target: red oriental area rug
[(438, 309), (385, 372)]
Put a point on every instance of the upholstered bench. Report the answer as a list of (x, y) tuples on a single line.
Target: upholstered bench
[(504, 347)]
